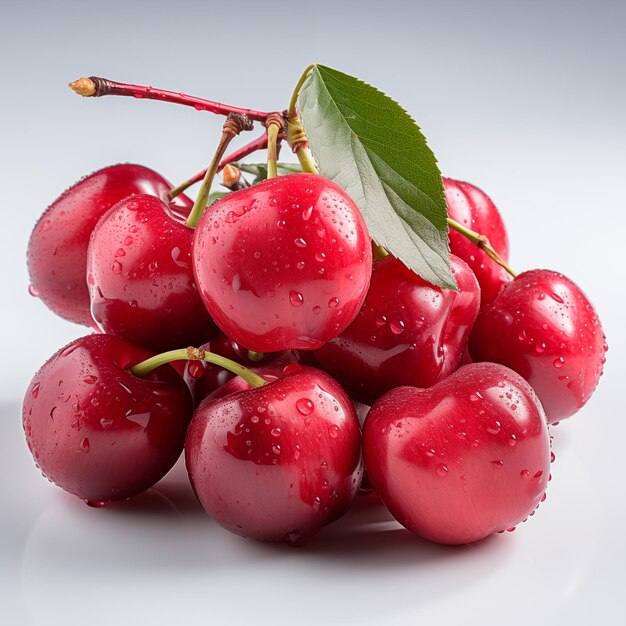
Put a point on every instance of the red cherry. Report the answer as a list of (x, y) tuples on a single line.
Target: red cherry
[(472, 208), (57, 250), (140, 278), (408, 332), (463, 459), (543, 326), (204, 378), (98, 431), (277, 462), (284, 264)]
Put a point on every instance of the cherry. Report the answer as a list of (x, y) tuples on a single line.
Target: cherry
[(57, 250), (279, 461), (472, 208), (284, 264), (408, 332), (463, 459), (543, 326), (98, 431), (204, 378), (140, 278)]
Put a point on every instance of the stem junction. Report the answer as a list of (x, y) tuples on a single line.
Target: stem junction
[(234, 124)]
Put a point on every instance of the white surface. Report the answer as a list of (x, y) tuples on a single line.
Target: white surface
[(526, 104)]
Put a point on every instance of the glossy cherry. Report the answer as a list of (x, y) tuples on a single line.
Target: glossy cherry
[(204, 378), (408, 332), (98, 431), (140, 278), (277, 462), (463, 459), (543, 326), (284, 264), (57, 250), (472, 208)]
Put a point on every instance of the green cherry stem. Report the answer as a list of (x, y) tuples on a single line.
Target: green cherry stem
[(291, 111), (296, 137), (234, 124), (260, 143), (275, 125), (378, 252), (195, 354), (482, 242), (272, 137)]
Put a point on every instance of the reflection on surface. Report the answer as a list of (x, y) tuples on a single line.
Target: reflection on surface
[(161, 555)]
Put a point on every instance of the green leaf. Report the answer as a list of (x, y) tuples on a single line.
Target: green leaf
[(371, 147), (215, 195), (259, 170)]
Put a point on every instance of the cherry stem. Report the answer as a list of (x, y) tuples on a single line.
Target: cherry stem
[(275, 124), (272, 137), (482, 242), (234, 124), (260, 143), (196, 354), (94, 87), (256, 356), (291, 111), (378, 252), (296, 136)]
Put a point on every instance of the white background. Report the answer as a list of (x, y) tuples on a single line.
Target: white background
[(525, 100)]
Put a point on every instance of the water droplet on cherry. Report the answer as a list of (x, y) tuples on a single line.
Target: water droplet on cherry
[(304, 406), (397, 327), (442, 470)]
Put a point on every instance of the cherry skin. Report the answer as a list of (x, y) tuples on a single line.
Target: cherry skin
[(57, 250), (284, 264), (543, 326), (278, 462), (463, 459), (472, 208), (95, 429), (140, 278), (408, 332)]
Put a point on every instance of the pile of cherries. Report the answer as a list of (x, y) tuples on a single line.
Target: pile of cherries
[(280, 284)]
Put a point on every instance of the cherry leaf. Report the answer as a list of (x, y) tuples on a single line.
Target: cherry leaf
[(370, 146)]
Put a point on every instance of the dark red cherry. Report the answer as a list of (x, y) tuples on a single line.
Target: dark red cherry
[(204, 378), (463, 459), (278, 462), (140, 278), (57, 250), (284, 264), (408, 332), (543, 326), (98, 431), (472, 208)]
